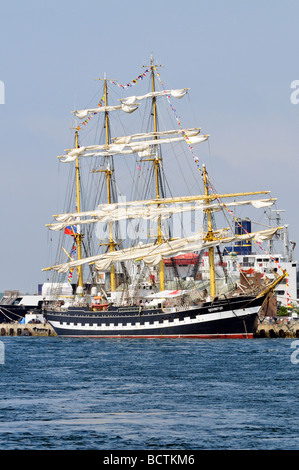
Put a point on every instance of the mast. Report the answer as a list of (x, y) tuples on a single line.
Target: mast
[(210, 237), (156, 169), (108, 173), (78, 235)]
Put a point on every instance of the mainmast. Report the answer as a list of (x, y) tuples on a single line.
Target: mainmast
[(156, 163), (109, 173)]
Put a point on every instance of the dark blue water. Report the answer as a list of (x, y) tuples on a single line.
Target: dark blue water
[(75, 394)]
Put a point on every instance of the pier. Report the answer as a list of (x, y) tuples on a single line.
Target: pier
[(27, 329), (281, 327)]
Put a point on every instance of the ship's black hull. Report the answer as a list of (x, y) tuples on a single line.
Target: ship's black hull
[(233, 318)]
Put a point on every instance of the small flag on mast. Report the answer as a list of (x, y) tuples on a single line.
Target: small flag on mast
[(70, 230)]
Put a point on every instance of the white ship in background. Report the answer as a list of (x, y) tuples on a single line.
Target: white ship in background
[(245, 263), (249, 260)]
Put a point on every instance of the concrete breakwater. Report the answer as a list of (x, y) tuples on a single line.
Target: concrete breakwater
[(280, 327), (27, 329)]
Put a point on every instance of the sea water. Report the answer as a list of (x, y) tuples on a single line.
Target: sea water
[(90, 394)]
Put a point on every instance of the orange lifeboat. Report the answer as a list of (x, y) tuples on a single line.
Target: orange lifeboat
[(99, 304)]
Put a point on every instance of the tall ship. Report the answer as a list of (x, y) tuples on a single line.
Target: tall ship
[(118, 249)]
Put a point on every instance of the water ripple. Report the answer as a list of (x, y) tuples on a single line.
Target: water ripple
[(87, 394)]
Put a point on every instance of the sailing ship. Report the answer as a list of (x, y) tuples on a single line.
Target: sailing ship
[(154, 311)]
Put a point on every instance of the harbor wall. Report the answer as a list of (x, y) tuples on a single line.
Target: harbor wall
[(27, 329), (280, 327)]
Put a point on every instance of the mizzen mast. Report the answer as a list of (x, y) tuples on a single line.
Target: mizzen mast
[(209, 236)]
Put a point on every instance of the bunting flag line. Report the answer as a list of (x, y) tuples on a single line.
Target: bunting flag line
[(70, 276), (132, 82), (100, 103), (195, 158), (73, 256)]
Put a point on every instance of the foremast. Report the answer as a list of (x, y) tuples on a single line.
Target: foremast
[(108, 173)]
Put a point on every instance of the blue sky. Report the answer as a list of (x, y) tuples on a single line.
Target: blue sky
[(238, 58)]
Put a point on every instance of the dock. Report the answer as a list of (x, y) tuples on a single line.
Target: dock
[(280, 327), (27, 329)]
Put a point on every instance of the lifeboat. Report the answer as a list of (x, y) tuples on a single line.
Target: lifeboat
[(98, 304)]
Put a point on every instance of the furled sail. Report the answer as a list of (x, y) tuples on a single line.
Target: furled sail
[(152, 253), (125, 148), (83, 113), (132, 210), (124, 140), (174, 93), (191, 132), (127, 103)]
